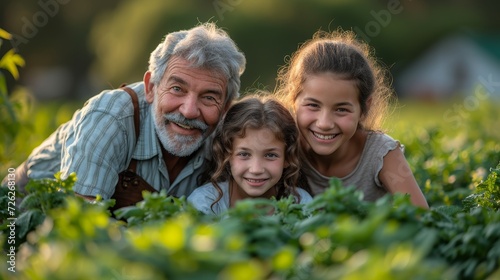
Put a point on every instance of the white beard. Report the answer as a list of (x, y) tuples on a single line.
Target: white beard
[(175, 144)]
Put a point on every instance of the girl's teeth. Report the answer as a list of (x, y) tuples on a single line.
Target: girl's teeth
[(324, 137), (255, 181)]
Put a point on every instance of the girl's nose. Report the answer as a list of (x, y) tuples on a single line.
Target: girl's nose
[(325, 121), (256, 166)]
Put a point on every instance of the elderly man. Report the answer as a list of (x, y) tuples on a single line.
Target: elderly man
[(151, 134)]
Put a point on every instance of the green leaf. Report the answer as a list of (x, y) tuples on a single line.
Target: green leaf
[(11, 61), (28, 221), (5, 35)]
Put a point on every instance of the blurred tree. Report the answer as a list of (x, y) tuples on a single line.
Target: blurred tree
[(105, 43), (52, 34)]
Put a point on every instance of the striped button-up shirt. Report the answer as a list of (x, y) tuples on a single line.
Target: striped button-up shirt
[(99, 142)]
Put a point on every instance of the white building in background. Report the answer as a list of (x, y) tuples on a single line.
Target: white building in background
[(453, 67)]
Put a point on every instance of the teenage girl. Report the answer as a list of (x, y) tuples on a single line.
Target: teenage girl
[(339, 95), (255, 153)]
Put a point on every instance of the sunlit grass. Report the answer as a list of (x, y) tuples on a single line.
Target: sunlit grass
[(453, 117)]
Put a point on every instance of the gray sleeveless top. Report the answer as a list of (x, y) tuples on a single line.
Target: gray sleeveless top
[(365, 176)]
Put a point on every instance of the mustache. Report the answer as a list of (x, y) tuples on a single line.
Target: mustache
[(179, 118)]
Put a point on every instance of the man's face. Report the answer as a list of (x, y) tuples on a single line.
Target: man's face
[(186, 105)]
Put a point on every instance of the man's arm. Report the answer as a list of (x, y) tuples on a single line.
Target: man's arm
[(97, 145)]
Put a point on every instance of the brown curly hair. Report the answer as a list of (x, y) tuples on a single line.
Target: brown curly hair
[(256, 111)]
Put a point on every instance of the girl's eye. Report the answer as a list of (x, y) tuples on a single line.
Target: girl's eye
[(243, 154), (272, 155), (312, 105)]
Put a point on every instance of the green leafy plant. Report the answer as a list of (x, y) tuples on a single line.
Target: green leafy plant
[(166, 238), (156, 207), (42, 196), (9, 64), (487, 193)]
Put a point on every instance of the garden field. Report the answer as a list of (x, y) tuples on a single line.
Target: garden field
[(453, 149)]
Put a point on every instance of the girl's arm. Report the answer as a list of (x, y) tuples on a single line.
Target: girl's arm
[(397, 177)]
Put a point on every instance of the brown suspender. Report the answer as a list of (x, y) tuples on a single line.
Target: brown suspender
[(129, 188), (137, 122), (135, 102)]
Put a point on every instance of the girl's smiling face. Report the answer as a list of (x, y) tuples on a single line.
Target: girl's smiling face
[(327, 112), (257, 163)]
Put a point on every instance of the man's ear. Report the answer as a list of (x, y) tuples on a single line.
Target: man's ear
[(148, 87)]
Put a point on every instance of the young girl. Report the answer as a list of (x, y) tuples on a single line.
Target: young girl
[(255, 154), (339, 95)]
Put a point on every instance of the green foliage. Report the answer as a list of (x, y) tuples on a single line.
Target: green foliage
[(10, 61), (257, 239), (448, 159), (487, 193), (338, 199), (43, 195), (11, 124), (156, 207), (7, 197)]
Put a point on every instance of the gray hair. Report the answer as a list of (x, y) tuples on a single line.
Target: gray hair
[(205, 46)]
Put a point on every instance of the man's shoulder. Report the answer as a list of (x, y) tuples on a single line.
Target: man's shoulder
[(115, 101)]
